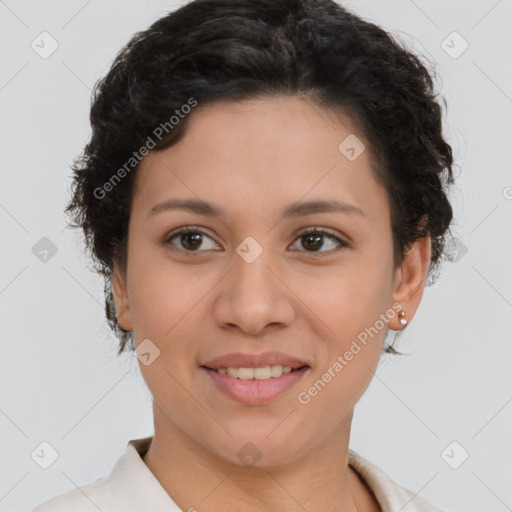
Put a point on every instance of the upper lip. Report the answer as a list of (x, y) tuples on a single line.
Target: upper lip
[(239, 359)]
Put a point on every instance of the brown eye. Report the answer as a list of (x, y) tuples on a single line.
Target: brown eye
[(189, 240), (314, 239)]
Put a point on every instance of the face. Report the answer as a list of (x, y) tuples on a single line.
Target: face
[(316, 285)]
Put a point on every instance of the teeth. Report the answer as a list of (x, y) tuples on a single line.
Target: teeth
[(262, 373)]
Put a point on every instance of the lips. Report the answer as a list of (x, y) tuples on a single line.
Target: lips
[(252, 391), (245, 360)]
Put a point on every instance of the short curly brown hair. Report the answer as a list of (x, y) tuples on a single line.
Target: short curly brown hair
[(214, 50)]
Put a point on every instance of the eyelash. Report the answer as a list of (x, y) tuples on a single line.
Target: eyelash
[(190, 229)]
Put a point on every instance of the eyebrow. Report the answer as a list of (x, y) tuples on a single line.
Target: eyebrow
[(291, 211)]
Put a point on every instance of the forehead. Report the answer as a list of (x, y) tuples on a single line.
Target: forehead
[(262, 153)]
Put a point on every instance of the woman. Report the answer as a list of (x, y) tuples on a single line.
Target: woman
[(264, 192)]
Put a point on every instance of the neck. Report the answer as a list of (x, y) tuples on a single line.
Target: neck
[(196, 478)]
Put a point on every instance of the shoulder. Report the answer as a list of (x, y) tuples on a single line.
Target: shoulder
[(389, 494), (87, 498), (109, 493), (130, 487)]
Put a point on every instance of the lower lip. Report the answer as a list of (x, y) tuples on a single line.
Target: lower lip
[(254, 391)]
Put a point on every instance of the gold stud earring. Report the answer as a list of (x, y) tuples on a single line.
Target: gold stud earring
[(403, 321)]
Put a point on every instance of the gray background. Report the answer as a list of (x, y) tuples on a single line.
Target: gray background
[(61, 381)]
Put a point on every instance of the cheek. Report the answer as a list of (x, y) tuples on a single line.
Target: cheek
[(161, 296), (164, 310), (334, 390), (347, 311), (352, 309), (347, 300)]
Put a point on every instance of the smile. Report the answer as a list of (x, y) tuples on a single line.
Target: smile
[(260, 373), (254, 386)]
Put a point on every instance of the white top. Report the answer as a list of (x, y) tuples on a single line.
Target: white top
[(132, 487)]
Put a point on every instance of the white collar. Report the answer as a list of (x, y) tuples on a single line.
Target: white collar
[(390, 495), (132, 487)]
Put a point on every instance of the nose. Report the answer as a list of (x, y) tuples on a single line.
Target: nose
[(253, 297)]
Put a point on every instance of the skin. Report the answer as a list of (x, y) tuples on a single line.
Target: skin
[(252, 158)]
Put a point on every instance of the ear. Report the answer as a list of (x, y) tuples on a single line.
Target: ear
[(120, 292), (410, 279)]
